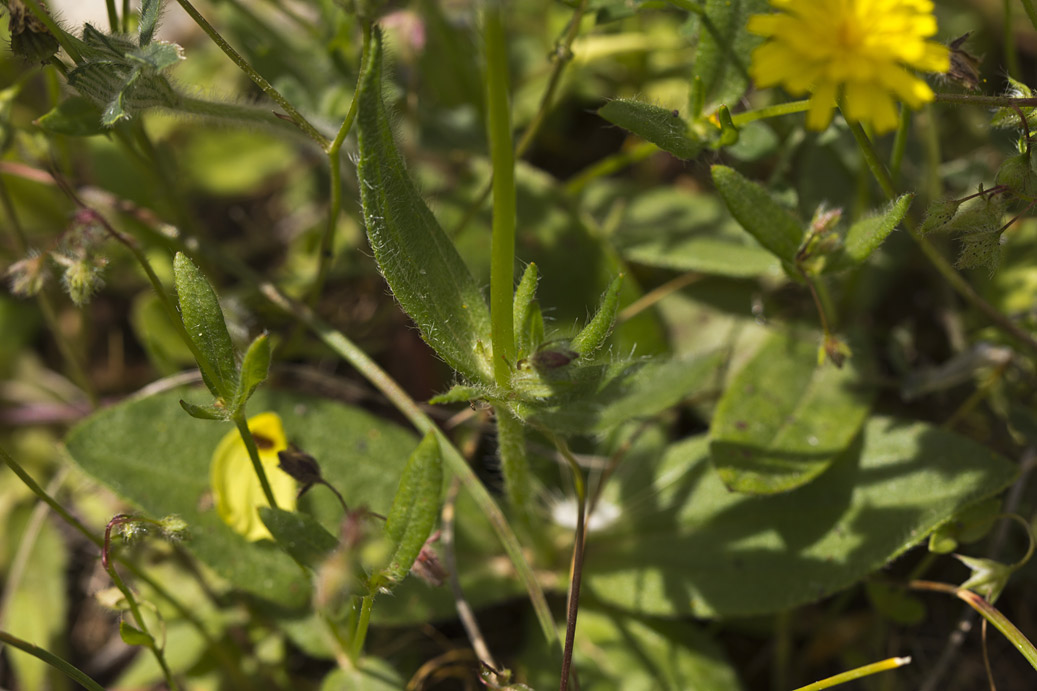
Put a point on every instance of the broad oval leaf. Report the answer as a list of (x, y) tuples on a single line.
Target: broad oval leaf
[(418, 260), (692, 547), (769, 222), (664, 128), (784, 418), (148, 452), (300, 535), (206, 327)]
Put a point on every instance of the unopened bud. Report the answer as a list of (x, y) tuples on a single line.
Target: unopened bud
[(29, 275)]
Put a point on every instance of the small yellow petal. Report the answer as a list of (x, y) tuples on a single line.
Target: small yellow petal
[(236, 489)]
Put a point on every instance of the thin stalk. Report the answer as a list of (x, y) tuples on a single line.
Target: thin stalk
[(1008, 41), (113, 16), (233, 111), (988, 612), (858, 673), (782, 650), (126, 16), (987, 101), (609, 165), (655, 295), (295, 116), (327, 240), (771, 111), (361, 627), (896, 157), (253, 455), (352, 354), (933, 255), (156, 651), (68, 669), (579, 549), (502, 153)]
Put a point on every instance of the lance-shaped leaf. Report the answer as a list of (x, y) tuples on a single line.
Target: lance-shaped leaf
[(254, 368), (593, 336), (529, 321), (784, 418), (769, 222), (664, 128), (865, 236), (418, 260), (205, 325), (414, 509)]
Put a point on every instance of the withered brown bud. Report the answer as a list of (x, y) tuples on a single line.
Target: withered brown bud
[(964, 65), (30, 39), (301, 466)]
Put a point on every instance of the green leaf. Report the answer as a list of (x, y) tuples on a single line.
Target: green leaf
[(299, 534), (418, 260), (784, 418), (664, 128), (205, 325), (460, 393), (696, 548), (604, 396), (133, 636), (725, 46), (254, 368), (865, 236), (205, 412), (148, 452), (373, 674), (415, 508), (769, 222), (75, 116), (674, 229), (593, 336), (157, 56)]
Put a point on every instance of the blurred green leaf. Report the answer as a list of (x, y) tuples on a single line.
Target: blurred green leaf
[(155, 331), (784, 418), (722, 61), (689, 546), (373, 674), (418, 260), (299, 534), (75, 116), (771, 224), (131, 635), (664, 128)]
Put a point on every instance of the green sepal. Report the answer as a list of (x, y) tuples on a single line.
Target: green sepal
[(131, 635), (593, 336), (527, 313), (865, 236), (729, 133), (206, 327), (149, 15), (442, 297), (254, 369), (300, 535), (765, 219), (460, 393), (205, 412), (664, 128), (414, 511)]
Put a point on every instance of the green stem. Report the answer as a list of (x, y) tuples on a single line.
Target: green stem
[(152, 645), (896, 158), (296, 117), (236, 112), (126, 16), (608, 166), (113, 17), (327, 240), (68, 669), (253, 455), (933, 255), (858, 673), (502, 152), (352, 354), (987, 101), (361, 627), (988, 612), (1008, 41), (772, 111)]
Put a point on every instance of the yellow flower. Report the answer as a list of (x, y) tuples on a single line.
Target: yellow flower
[(236, 488), (856, 50)]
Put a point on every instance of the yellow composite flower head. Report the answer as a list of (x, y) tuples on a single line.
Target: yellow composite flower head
[(858, 50), (235, 487)]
